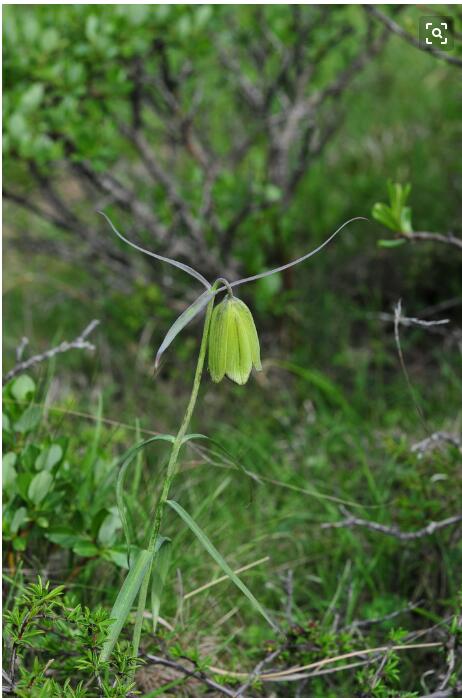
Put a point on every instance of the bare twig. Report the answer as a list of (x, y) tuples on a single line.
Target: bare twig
[(255, 674), (447, 693), (20, 348), (451, 662), (409, 321), (351, 521), (298, 672), (448, 239), (435, 326), (392, 26), (434, 440), (79, 342), (376, 621), (190, 673)]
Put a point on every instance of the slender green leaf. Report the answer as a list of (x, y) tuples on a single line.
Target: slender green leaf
[(184, 319), (208, 545), (160, 568), (125, 599)]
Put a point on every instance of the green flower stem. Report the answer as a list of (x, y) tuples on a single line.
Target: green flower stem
[(170, 475)]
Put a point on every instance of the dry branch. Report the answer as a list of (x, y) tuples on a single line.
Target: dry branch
[(79, 342), (193, 673), (397, 29), (351, 521)]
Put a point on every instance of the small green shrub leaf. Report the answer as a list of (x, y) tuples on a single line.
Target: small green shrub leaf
[(85, 548), (20, 516), (29, 419), (9, 473), (49, 457), (39, 487), (22, 387)]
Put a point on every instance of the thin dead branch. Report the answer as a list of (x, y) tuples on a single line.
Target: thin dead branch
[(79, 342), (397, 29), (432, 527), (448, 239), (193, 673)]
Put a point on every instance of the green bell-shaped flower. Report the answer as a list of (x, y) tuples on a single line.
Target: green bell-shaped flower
[(233, 342)]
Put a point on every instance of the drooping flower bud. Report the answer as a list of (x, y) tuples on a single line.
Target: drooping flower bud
[(233, 342)]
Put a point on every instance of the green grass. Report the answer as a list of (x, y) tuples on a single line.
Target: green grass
[(303, 450)]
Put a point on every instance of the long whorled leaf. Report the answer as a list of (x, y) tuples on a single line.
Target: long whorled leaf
[(174, 262), (184, 319), (125, 599), (208, 545)]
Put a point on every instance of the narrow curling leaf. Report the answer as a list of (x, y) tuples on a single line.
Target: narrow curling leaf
[(210, 548), (173, 262), (125, 599), (181, 322), (296, 261)]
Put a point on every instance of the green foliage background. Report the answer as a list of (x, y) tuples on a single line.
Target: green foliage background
[(331, 415)]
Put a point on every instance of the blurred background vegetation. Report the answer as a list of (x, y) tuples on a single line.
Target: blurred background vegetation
[(236, 138)]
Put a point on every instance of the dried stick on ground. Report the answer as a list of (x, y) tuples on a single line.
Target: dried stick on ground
[(434, 440), (193, 673), (351, 521), (258, 671), (79, 342)]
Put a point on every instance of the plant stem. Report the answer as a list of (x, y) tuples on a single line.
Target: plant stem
[(170, 475)]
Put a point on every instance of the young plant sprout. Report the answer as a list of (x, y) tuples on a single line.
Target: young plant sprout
[(231, 341)]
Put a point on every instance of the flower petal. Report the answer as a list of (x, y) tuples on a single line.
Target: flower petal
[(248, 324), (218, 342)]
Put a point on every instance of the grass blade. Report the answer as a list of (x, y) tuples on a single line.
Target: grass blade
[(159, 575), (125, 599), (210, 548)]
